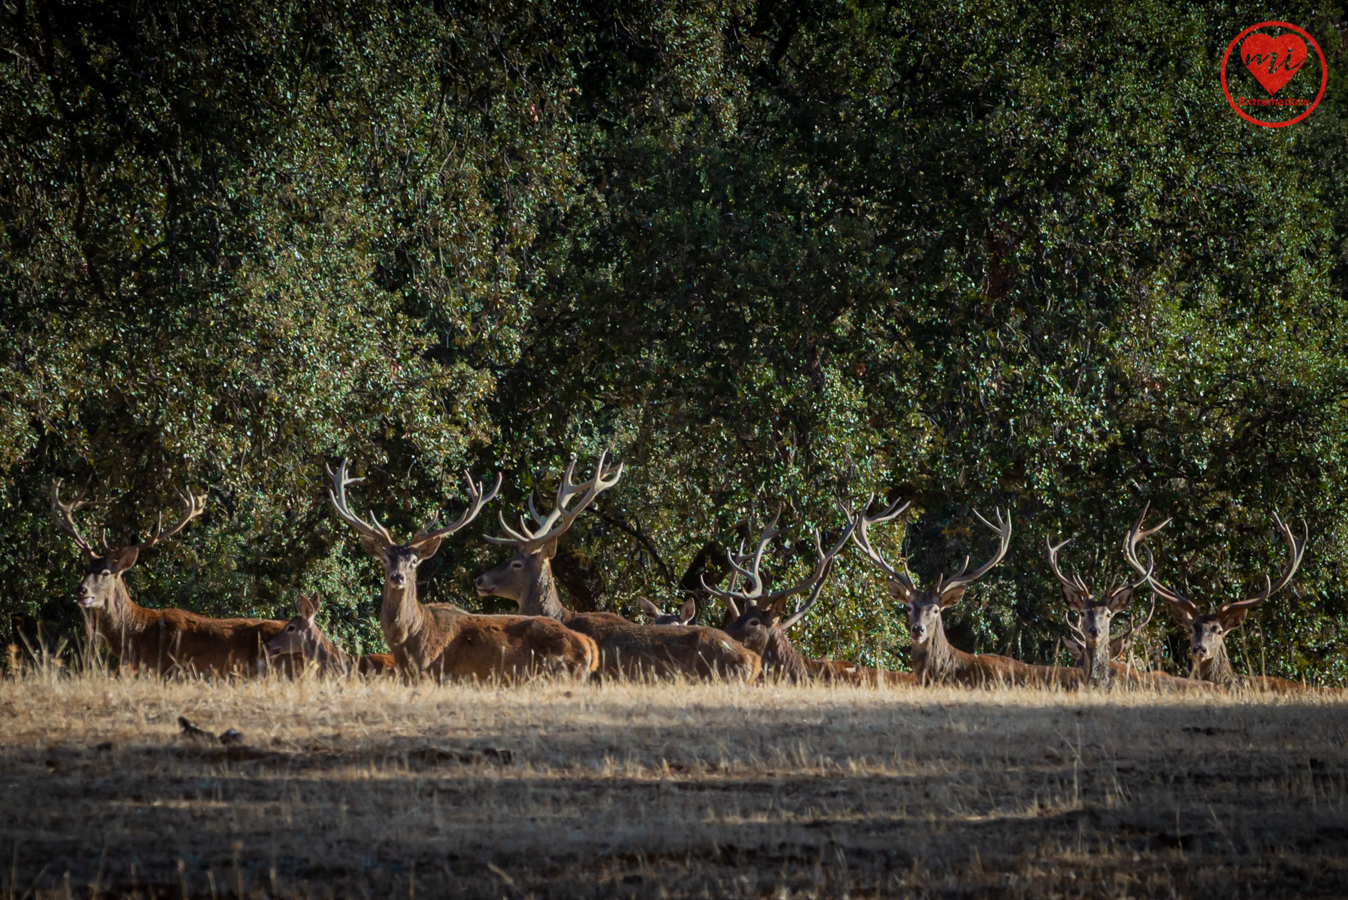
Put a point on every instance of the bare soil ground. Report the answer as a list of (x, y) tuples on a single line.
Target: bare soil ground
[(356, 789)]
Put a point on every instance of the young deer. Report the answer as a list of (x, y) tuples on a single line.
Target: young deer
[(302, 638), (164, 641), (440, 639), (935, 661), (685, 616), (629, 649), (1207, 632), (1094, 615), (763, 623)]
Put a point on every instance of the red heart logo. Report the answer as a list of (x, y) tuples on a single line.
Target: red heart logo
[(1273, 60)]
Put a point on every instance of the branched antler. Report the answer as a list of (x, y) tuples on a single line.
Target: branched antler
[(556, 523)]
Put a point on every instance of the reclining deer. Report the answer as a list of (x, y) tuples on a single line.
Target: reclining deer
[(762, 624), (303, 638), (163, 641), (1208, 631), (626, 648), (441, 640), (1097, 652), (935, 661), (685, 616)]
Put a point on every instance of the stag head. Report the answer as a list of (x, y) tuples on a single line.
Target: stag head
[(1207, 631), (757, 612), (925, 606), (103, 571), (519, 577), (401, 560), (1095, 615)]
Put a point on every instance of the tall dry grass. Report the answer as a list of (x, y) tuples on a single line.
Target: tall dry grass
[(555, 789)]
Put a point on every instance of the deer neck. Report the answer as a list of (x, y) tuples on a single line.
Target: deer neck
[(936, 659), (1218, 669), (120, 618), (401, 617), (1095, 663), (782, 658), (542, 598)]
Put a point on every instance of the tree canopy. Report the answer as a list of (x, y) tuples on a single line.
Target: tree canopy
[(971, 254)]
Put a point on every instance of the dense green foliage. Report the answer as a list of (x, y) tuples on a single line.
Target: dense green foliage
[(967, 253)]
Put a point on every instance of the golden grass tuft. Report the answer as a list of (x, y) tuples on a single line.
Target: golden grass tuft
[(372, 788)]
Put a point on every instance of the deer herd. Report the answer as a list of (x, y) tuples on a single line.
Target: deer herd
[(443, 641)]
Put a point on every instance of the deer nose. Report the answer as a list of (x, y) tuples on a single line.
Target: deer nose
[(398, 578), (1093, 632)]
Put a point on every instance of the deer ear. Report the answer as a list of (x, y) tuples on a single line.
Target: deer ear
[(951, 597), (309, 604), (426, 549), (549, 550), (900, 591), (124, 559), (1074, 648), (1120, 599), (689, 611), (649, 608), (1231, 618), (1181, 614), (372, 547)]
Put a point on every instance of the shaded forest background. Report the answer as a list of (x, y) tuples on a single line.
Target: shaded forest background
[(973, 254)]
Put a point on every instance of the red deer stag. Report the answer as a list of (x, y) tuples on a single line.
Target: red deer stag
[(164, 641), (763, 623), (685, 616), (935, 661), (629, 649), (441, 640), (1095, 614), (1207, 632), (303, 638)]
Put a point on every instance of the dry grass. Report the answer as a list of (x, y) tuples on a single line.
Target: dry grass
[(362, 789)]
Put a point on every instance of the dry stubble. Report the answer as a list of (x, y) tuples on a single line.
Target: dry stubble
[(359, 788)]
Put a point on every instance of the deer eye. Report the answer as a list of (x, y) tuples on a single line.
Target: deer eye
[(290, 628), (516, 564)]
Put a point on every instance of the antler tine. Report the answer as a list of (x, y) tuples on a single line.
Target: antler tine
[(814, 595), (476, 500), (816, 575), (1003, 532), (337, 494), (1135, 536), (861, 535), (1075, 629), (1295, 551), (65, 516), (193, 506), (1077, 593), (1133, 628), (557, 522), (750, 575)]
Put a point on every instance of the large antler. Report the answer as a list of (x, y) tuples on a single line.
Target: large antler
[(755, 592), (863, 539), (337, 494), (1075, 590), (65, 516), (559, 520), (1135, 536), (1295, 552), (193, 506), (476, 500), (1003, 531)]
